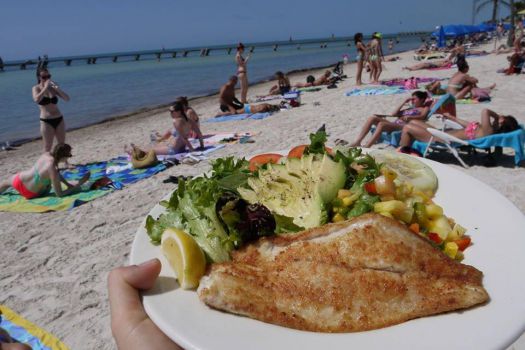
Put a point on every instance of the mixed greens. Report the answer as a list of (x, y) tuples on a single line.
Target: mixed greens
[(241, 201)]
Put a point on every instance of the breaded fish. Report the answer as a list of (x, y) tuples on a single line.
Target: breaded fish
[(367, 273)]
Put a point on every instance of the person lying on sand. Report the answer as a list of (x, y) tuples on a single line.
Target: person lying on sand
[(283, 84), (478, 94), (461, 84), (178, 138), (37, 181), (227, 100), (419, 111), (430, 65), (311, 81), (252, 109), (491, 123)]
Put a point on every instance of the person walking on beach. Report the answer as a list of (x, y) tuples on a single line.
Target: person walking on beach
[(360, 58), (46, 93), (390, 46), (242, 72), (227, 100), (43, 175)]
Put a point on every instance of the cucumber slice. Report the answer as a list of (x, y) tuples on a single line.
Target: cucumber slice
[(409, 169)]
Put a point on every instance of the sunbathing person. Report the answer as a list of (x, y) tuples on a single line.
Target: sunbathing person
[(311, 81), (252, 109), (283, 84), (491, 123), (461, 84), (178, 138), (419, 110), (193, 117), (37, 181), (430, 65), (227, 100), (477, 94)]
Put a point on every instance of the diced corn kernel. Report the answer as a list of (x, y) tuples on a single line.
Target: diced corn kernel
[(338, 218), (459, 255), (394, 207), (347, 201), (336, 209), (388, 173), (342, 193), (451, 249), (406, 215), (434, 211)]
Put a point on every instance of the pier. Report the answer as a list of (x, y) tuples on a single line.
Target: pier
[(202, 52)]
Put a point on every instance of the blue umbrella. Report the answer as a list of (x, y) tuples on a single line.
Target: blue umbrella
[(441, 38)]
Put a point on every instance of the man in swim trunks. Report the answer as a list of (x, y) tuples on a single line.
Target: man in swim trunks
[(227, 100)]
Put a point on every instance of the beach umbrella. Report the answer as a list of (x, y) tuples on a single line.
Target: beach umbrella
[(442, 41)]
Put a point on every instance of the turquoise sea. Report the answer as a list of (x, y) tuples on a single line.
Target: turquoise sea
[(105, 90)]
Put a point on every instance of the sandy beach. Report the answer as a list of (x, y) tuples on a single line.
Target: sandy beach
[(55, 265)]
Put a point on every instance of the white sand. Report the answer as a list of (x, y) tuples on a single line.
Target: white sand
[(54, 266)]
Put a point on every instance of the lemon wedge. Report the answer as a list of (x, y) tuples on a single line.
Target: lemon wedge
[(185, 256)]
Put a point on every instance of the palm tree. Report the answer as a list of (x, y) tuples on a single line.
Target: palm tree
[(495, 5)]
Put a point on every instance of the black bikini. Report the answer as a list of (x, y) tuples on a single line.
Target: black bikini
[(54, 122), (46, 100)]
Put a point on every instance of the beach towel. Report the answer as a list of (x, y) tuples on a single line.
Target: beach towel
[(514, 140), (309, 89), (11, 201), (401, 81), (443, 68), (469, 101), (376, 91), (264, 98), (232, 117), (25, 332)]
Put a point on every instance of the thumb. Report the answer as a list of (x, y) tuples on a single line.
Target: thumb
[(124, 284)]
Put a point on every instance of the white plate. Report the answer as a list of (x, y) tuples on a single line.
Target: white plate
[(497, 229)]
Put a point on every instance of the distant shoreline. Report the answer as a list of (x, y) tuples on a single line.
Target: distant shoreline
[(149, 110)]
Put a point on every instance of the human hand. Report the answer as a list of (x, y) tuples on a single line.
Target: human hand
[(47, 85), (131, 326)]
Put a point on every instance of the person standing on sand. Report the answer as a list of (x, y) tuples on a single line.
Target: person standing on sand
[(46, 94), (390, 46), (518, 35), (360, 58), (227, 100), (376, 57), (242, 72)]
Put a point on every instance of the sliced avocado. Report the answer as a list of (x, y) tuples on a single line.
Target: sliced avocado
[(298, 189)]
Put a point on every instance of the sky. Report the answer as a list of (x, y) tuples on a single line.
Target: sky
[(72, 27)]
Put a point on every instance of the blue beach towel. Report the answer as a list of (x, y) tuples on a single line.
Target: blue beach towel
[(373, 91), (227, 118)]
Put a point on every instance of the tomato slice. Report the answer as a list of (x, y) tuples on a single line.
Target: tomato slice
[(370, 187), (262, 159), (298, 151), (434, 237)]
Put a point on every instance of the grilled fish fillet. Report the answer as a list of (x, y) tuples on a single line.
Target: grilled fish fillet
[(367, 273)]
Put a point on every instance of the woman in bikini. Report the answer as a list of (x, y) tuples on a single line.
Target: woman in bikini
[(178, 138), (461, 84), (193, 118), (46, 94), (419, 110), (242, 73), (491, 123), (375, 57), (37, 181), (283, 84), (311, 81), (360, 58)]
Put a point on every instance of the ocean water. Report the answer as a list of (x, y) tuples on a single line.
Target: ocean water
[(107, 89)]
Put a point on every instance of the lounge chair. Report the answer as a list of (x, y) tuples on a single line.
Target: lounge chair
[(514, 139)]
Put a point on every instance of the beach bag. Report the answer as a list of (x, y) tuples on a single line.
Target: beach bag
[(141, 159)]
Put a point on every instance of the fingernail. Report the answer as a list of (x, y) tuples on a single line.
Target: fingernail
[(149, 262)]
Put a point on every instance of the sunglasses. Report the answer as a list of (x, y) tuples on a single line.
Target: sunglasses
[(45, 77)]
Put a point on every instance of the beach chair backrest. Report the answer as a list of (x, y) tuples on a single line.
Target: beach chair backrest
[(445, 104)]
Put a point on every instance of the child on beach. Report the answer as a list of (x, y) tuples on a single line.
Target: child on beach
[(38, 180)]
